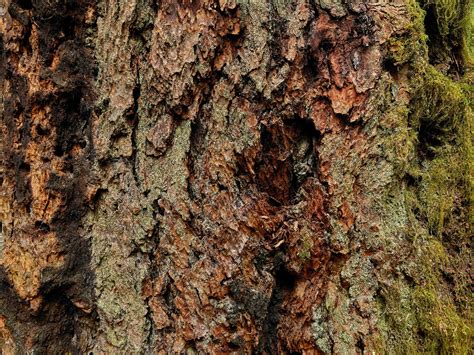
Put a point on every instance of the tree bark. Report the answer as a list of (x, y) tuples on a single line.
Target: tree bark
[(208, 176)]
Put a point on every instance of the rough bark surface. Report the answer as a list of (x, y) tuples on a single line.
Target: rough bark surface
[(214, 176)]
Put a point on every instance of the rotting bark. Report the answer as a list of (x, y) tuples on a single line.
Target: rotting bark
[(226, 176), (47, 76)]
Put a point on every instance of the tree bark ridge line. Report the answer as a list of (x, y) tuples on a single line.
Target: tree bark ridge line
[(220, 176)]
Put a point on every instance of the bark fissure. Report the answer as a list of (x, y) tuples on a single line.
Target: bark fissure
[(133, 118)]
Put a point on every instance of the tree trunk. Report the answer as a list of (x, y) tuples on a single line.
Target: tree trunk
[(266, 176)]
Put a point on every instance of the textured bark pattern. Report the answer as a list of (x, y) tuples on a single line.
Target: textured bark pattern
[(202, 176), (47, 71)]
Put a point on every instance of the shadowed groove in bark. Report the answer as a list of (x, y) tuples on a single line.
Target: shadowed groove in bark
[(284, 284), (133, 120)]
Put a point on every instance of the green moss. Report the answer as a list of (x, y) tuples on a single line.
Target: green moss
[(400, 139), (411, 42), (424, 319), (441, 114), (399, 325), (435, 148), (454, 19), (434, 98), (446, 332), (467, 29), (430, 144), (448, 14)]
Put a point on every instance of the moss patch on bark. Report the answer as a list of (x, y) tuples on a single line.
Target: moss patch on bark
[(428, 308)]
